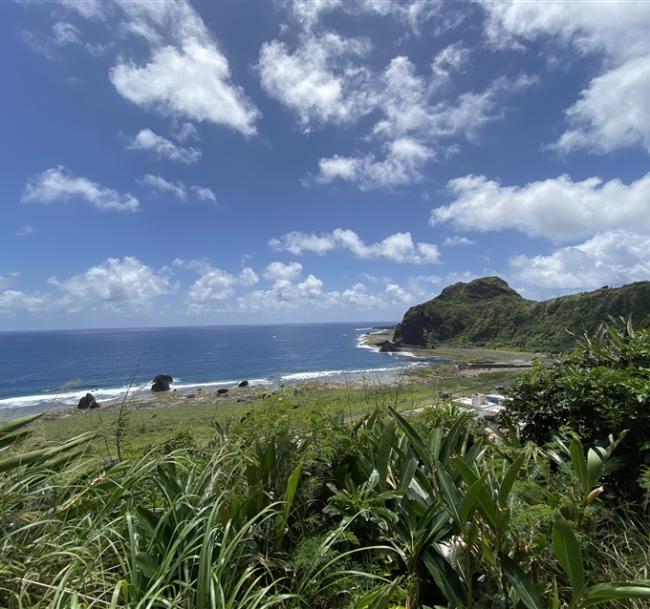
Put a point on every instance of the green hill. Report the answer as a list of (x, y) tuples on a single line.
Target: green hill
[(488, 312)]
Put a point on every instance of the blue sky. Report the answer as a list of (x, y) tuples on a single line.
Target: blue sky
[(249, 162)]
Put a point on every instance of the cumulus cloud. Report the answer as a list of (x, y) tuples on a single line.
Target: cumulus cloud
[(611, 258), (618, 29), (557, 208), (612, 110), (325, 78), (146, 139), (398, 247), (192, 81), (401, 164), (320, 80), (17, 301), (286, 295), (248, 276), (57, 184), (214, 284), (186, 75), (124, 284), (276, 271), (416, 124)]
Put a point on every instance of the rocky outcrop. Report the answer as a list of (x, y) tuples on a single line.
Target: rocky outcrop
[(87, 401), (222, 391), (388, 347), (162, 382), (243, 384), (488, 312)]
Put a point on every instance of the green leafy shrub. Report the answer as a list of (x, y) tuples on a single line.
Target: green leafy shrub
[(601, 388)]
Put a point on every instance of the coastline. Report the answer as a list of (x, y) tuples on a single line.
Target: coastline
[(467, 360), (140, 396), (409, 364)]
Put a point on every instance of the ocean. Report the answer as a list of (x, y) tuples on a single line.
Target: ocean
[(51, 369)]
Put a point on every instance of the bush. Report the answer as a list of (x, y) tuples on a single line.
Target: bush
[(602, 387)]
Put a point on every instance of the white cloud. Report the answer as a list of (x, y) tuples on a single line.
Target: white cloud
[(612, 110), (620, 29), (248, 276), (308, 12), (25, 231), (119, 284), (146, 139), (286, 295), (88, 9), (398, 247), (457, 240), (184, 131), (610, 258), (402, 164), (320, 81), (398, 295), (16, 301), (279, 271), (297, 242), (176, 189), (557, 208), (57, 184), (65, 33), (414, 124), (411, 107), (186, 76), (451, 59), (202, 193), (192, 82), (326, 79), (413, 13), (213, 285)]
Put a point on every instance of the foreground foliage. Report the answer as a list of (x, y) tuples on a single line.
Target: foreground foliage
[(601, 388), (293, 507)]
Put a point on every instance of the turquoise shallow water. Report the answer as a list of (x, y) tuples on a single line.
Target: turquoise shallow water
[(40, 370)]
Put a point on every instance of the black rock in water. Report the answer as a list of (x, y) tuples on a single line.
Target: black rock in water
[(243, 384), (87, 401), (388, 347), (162, 382)]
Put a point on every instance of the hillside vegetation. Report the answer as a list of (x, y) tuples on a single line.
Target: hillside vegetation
[(296, 505), (488, 312)]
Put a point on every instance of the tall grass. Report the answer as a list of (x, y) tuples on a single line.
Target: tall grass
[(296, 508)]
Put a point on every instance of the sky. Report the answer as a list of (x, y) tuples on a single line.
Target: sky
[(189, 163)]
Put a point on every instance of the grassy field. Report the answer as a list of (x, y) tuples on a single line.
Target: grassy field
[(150, 423)]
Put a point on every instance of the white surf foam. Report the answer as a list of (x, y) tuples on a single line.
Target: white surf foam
[(71, 398), (316, 374)]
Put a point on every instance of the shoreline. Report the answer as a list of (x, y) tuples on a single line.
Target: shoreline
[(422, 365), (140, 396), (462, 357)]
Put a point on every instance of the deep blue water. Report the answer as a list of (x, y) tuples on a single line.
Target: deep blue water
[(40, 370)]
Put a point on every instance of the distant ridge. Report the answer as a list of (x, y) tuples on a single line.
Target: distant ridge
[(488, 312)]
